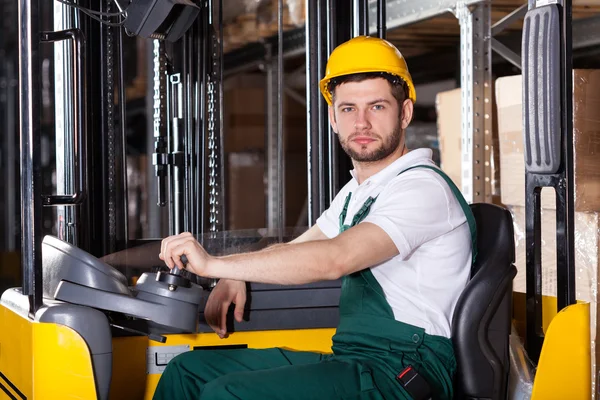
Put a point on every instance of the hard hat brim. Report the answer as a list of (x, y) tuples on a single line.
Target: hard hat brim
[(324, 84)]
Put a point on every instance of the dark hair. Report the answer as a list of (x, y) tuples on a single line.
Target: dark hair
[(399, 86)]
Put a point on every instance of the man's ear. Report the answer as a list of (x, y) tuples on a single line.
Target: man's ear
[(332, 121), (407, 113)]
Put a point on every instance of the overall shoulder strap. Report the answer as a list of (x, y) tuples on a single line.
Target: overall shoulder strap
[(463, 204)]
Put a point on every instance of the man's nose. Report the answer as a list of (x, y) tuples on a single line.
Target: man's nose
[(362, 121)]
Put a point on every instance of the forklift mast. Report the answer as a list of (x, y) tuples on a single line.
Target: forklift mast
[(548, 139), (89, 121)]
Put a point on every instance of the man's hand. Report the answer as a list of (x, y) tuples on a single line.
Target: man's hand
[(173, 247), (224, 293)]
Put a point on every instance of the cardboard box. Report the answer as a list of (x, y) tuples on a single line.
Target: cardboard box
[(245, 117), (296, 187), (247, 189), (250, 21), (447, 105), (449, 122), (586, 140), (267, 14)]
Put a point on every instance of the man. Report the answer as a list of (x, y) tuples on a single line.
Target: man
[(398, 236)]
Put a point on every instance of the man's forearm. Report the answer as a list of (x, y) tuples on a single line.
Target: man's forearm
[(280, 264)]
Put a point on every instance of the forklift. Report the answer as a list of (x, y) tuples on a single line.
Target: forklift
[(79, 327)]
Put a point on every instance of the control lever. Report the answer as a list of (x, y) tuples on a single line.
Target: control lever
[(151, 336), (174, 278)]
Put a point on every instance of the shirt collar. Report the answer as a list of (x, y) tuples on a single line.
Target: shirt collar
[(413, 157)]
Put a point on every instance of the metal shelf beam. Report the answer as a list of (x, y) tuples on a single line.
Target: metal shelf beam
[(405, 12)]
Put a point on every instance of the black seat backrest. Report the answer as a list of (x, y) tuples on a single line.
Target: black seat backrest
[(482, 318)]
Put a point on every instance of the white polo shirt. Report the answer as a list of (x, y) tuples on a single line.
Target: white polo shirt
[(421, 215)]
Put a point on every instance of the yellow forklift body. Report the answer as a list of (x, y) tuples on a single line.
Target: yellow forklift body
[(563, 370), (42, 360), (129, 378)]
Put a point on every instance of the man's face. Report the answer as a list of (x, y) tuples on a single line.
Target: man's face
[(367, 119)]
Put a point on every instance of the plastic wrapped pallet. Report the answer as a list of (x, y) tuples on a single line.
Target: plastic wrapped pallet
[(587, 240), (586, 140), (522, 371), (587, 258), (586, 145)]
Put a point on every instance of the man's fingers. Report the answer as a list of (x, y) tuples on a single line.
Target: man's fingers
[(216, 319), (167, 244), (171, 256), (175, 248), (224, 308), (163, 249), (177, 252), (240, 302), (211, 314)]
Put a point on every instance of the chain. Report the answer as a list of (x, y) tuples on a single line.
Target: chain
[(213, 161), (160, 78), (109, 89)]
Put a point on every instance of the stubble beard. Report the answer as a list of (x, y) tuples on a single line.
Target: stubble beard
[(387, 147)]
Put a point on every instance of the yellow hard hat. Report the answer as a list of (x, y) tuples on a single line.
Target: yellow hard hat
[(366, 54)]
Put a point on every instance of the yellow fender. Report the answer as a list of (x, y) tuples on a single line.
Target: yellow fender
[(42, 360), (564, 367)]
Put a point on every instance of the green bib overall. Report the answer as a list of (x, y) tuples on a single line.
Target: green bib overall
[(369, 348)]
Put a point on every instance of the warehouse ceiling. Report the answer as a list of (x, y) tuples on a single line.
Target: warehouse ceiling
[(432, 46), (439, 33)]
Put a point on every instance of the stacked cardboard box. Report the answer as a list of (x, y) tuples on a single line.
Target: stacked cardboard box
[(245, 116), (586, 138), (245, 130), (246, 191), (449, 133), (448, 108), (252, 20), (268, 13)]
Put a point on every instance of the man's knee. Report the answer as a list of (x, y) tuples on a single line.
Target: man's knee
[(177, 380), (177, 365), (226, 387)]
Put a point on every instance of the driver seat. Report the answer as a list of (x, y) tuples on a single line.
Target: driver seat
[(481, 323)]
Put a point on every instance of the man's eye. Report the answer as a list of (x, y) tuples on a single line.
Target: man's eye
[(378, 107), (346, 109)]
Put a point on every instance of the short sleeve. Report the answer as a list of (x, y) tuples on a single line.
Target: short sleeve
[(414, 209), (329, 221)]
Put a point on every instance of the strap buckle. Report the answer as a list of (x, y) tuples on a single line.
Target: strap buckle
[(414, 384)]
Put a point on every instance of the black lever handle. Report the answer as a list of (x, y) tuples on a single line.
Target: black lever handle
[(176, 270), (151, 336), (174, 277)]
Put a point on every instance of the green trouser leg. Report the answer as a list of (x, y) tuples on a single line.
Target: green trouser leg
[(187, 375), (266, 374)]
